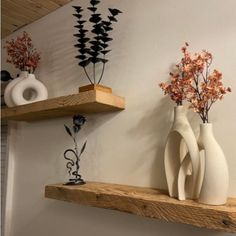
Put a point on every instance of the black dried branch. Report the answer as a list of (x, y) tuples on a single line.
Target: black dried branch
[(99, 42)]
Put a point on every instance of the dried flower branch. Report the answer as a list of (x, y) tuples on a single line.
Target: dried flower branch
[(194, 82), (22, 53)]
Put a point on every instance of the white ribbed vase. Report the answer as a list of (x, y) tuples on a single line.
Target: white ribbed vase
[(215, 184), (182, 164), (8, 91), (29, 83)]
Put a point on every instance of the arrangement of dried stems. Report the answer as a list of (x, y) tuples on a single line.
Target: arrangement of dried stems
[(22, 54), (194, 82)]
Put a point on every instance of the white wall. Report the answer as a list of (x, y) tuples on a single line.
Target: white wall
[(124, 147)]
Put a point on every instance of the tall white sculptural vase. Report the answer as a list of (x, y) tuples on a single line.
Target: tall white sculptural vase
[(182, 162), (215, 184)]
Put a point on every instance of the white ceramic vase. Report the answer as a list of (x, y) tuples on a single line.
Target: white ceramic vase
[(9, 87), (30, 83), (182, 162), (215, 184)]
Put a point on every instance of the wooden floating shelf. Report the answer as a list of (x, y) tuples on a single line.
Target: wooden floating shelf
[(93, 101), (148, 202)]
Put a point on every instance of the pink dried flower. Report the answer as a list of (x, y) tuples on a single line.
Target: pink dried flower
[(22, 53), (194, 82)]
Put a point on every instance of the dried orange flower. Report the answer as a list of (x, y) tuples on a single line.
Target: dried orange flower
[(194, 82)]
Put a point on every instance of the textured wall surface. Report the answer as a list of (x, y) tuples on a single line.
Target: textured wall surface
[(124, 147)]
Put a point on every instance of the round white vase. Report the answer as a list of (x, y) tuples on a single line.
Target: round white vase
[(30, 83), (215, 184), (8, 91), (182, 162)]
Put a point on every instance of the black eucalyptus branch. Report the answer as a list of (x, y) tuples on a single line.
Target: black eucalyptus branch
[(97, 49), (73, 162)]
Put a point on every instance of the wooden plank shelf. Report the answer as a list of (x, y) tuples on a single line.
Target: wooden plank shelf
[(148, 202), (93, 101)]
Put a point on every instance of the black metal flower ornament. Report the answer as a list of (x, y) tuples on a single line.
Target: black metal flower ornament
[(99, 42), (73, 163)]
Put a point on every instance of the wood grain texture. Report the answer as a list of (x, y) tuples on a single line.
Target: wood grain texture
[(95, 87), (87, 102), (148, 202), (18, 13)]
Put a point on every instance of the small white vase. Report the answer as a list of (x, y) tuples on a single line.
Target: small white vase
[(182, 164), (8, 91), (215, 184), (30, 83)]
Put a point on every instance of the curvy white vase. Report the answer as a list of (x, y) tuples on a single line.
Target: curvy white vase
[(182, 162), (30, 83), (215, 184), (8, 90)]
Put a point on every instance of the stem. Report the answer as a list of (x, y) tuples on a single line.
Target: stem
[(77, 156), (87, 75), (103, 68)]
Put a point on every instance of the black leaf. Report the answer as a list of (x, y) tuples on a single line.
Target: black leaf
[(97, 37), (104, 45), (104, 34), (92, 53), (81, 57), (83, 40), (81, 22), (95, 60), (106, 23), (79, 26), (106, 39), (79, 45), (68, 130), (84, 63), (82, 50), (93, 9), (112, 18), (105, 51), (83, 31), (108, 28), (87, 50), (100, 25), (80, 35), (114, 12), (95, 18), (83, 148), (96, 48), (78, 8), (103, 60), (94, 2), (97, 31), (93, 42), (77, 15)]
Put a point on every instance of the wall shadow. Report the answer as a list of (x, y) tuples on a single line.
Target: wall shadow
[(155, 125)]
